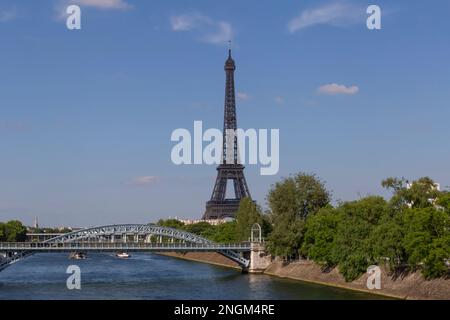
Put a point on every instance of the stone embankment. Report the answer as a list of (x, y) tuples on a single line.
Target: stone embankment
[(402, 285)]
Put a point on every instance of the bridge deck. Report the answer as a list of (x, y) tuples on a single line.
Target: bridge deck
[(117, 246)]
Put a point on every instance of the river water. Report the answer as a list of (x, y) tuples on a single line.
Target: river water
[(150, 276)]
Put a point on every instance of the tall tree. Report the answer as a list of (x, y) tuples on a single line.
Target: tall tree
[(386, 243), (170, 223), (421, 193), (224, 232), (203, 229), (286, 237), (438, 254), (15, 231), (299, 195), (443, 201), (248, 214), (423, 229), (352, 246), (319, 236), (2, 232), (291, 201)]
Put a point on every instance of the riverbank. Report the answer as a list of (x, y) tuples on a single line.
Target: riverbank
[(204, 257), (402, 286)]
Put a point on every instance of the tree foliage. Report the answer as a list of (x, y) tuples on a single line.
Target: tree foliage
[(248, 214), (13, 231), (320, 236), (224, 232), (418, 194), (2, 232), (291, 201), (411, 229), (298, 196), (170, 223), (203, 229)]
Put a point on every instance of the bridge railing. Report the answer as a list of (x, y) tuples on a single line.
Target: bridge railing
[(105, 246)]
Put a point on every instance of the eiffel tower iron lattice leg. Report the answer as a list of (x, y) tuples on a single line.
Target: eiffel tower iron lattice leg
[(219, 207)]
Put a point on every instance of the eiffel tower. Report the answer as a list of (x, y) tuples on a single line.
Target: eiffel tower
[(230, 169)]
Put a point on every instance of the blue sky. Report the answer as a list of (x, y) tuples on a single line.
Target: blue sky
[(86, 115)]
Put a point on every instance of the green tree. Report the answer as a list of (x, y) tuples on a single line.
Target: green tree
[(224, 232), (15, 231), (444, 201), (319, 236), (422, 227), (286, 237), (266, 225), (412, 228), (291, 201), (386, 243), (2, 232), (438, 253), (300, 195), (396, 184), (248, 214), (418, 194), (170, 223), (351, 248), (202, 229)]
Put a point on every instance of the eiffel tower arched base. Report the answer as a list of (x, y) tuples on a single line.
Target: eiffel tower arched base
[(221, 209)]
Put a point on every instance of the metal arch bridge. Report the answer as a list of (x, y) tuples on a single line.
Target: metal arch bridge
[(114, 238)]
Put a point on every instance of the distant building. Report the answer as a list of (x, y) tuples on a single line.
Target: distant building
[(45, 234), (213, 222), (36, 224), (436, 187)]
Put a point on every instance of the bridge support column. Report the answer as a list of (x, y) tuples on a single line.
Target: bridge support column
[(259, 259)]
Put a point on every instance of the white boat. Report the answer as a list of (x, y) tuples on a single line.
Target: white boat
[(77, 255), (122, 255)]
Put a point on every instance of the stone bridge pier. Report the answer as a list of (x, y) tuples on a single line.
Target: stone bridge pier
[(259, 258)]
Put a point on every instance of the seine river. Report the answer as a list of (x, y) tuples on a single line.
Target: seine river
[(150, 276)]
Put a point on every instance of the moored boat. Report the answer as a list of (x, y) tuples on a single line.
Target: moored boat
[(122, 255), (77, 255)]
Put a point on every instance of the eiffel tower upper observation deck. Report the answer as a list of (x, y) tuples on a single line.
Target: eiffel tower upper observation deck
[(230, 169)]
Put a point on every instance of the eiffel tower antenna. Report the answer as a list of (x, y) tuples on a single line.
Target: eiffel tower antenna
[(230, 169)]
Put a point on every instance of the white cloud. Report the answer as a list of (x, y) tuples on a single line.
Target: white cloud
[(279, 100), (7, 15), (243, 96), (206, 29), (335, 89), (185, 22), (145, 180), (335, 14)]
